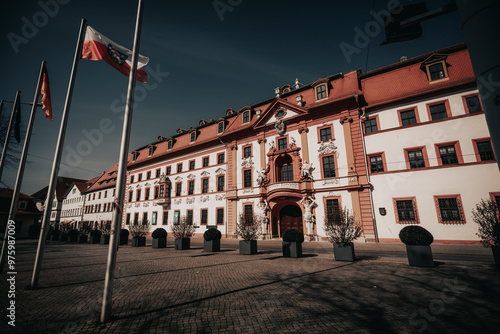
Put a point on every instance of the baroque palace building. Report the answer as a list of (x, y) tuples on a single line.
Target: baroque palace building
[(404, 144)]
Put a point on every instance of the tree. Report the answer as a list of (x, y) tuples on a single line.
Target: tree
[(486, 215)]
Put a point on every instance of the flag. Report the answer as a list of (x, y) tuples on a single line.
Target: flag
[(45, 91), (99, 47), (17, 121)]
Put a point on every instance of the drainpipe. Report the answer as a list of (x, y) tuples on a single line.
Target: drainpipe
[(225, 180), (367, 173)]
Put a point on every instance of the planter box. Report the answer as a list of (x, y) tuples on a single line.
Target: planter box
[(123, 240), (496, 254), (63, 237), (160, 243), (211, 246), (104, 239), (138, 241), (344, 252), (95, 239), (419, 256), (182, 243), (248, 247), (82, 239), (292, 249)]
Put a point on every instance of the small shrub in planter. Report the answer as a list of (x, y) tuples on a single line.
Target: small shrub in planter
[(159, 238), (486, 215), (211, 241), (95, 236), (73, 235), (417, 240), (292, 243), (138, 231), (341, 230), (105, 236), (182, 233), (248, 228), (124, 233)]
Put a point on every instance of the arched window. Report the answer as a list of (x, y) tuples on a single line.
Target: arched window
[(284, 167)]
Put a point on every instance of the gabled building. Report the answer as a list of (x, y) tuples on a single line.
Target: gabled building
[(98, 205), (62, 186), (26, 214), (73, 204)]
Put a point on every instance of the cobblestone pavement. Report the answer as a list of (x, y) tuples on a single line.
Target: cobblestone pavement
[(169, 291)]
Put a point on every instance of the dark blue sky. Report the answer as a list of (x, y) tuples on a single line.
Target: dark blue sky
[(212, 65)]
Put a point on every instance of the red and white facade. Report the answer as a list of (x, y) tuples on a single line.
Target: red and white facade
[(430, 157), (404, 144)]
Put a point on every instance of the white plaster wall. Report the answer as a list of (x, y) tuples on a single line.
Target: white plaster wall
[(471, 182)]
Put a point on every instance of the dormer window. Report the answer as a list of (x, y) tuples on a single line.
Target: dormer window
[(151, 150), (436, 71), (192, 137), (135, 154), (169, 144), (220, 127), (321, 92), (435, 68), (246, 116)]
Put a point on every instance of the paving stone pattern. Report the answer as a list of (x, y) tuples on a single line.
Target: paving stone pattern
[(169, 291)]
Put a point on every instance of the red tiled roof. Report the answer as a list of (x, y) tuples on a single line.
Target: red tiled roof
[(407, 79), (7, 193)]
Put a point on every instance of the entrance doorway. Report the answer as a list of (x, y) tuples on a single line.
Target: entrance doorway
[(290, 217)]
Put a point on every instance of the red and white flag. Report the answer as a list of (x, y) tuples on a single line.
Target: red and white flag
[(45, 91), (99, 47)]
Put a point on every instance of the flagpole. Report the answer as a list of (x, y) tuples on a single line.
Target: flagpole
[(9, 129), (20, 172), (57, 161), (122, 173)]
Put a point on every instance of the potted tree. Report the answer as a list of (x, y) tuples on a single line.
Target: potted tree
[(418, 245), (341, 230), (159, 238), (139, 231), (83, 235), (124, 233), (487, 216), (95, 236), (211, 241), (292, 243), (182, 233), (248, 228), (105, 235), (73, 235)]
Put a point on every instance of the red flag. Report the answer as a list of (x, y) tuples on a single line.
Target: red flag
[(99, 47), (45, 91)]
